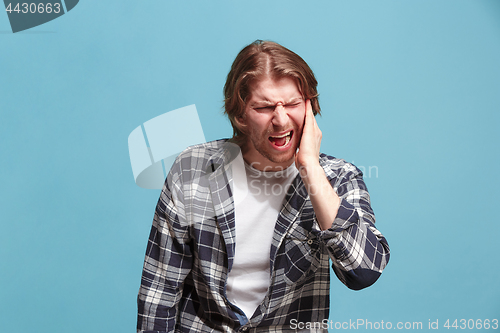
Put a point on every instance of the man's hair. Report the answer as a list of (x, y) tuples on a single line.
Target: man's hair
[(259, 60)]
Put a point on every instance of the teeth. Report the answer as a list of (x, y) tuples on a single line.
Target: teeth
[(281, 136), (287, 140)]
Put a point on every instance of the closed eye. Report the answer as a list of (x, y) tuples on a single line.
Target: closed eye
[(272, 107), (265, 108)]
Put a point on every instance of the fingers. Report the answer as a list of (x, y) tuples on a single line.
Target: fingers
[(310, 141), (309, 120), (308, 108), (307, 115)]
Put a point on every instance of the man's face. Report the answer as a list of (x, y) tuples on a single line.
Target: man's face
[(272, 122)]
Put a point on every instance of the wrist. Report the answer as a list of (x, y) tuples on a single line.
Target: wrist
[(312, 171)]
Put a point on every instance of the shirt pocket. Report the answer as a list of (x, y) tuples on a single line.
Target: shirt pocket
[(301, 256)]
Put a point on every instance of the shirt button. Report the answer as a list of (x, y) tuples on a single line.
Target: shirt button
[(244, 329), (310, 242)]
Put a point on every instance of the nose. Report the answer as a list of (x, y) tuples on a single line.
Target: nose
[(280, 116)]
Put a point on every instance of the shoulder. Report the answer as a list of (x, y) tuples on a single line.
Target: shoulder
[(336, 167), (203, 151), (197, 160)]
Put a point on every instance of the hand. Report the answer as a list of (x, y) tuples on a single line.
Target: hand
[(310, 142), (324, 200)]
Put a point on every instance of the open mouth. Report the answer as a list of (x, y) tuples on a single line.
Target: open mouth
[(281, 140)]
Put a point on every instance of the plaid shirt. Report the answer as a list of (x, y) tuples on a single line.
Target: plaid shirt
[(191, 249)]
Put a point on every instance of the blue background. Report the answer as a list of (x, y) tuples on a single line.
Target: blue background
[(410, 90)]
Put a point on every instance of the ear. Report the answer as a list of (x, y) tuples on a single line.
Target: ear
[(240, 123)]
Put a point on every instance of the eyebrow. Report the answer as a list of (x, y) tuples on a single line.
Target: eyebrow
[(269, 103)]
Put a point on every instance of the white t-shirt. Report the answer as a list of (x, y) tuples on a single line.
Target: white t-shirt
[(258, 197)]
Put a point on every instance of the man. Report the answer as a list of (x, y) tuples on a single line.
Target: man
[(244, 228)]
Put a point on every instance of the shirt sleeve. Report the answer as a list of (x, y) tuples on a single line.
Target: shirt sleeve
[(167, 263), (359, 252)]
